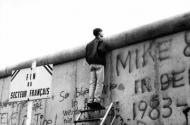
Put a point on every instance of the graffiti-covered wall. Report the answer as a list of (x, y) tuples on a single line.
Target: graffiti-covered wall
[(147, 71), (69, 95), (152, 80)]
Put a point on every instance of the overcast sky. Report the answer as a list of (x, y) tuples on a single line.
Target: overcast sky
[(34, 28)]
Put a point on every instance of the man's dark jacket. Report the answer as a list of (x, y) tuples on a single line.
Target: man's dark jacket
[(96, 51)]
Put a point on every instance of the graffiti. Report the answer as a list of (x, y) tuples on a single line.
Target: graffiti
[(18, 105), (154, 112), (55, 119), (68, 112), (145, 108), (148, 53), (119, 118), (6, 103), (152, 109), (186, 51), (143, 85), (75, 110), (167, 107), (164, 48), (173, 79), (41, 120), (113, 86), (13, 118), (64, 95), (68, 120), (137, 58), (8, 118), (74, 103), (121, 87), (189, 76), (181, 102), (123, 63), (68, 115), (4, 118), (141, 57), (82, 91), (24, 119), (142, 107), (37, 105)]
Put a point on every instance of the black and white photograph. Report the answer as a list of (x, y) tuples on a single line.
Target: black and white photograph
[(94, 62)]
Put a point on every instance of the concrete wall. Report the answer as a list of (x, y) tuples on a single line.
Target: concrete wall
[(149, 78), (70, 89)]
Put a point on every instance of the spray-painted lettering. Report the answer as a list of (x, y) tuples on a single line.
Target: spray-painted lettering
[(173, 79), (140, 57), (186, 50), (152, 108)]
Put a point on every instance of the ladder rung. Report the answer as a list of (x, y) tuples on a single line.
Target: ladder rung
[(97, 119), (91, 110), (89, 120)]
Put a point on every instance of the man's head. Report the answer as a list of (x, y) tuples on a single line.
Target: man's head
[(98, 32)]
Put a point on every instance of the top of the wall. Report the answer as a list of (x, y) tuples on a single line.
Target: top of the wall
[(147, 32)]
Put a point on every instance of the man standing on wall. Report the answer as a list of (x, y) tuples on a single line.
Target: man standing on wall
[(95, 56)]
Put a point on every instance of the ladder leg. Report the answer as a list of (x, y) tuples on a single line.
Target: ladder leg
[(113, 120), (115, 112), (112, 105), (105, 116), (78, 117)]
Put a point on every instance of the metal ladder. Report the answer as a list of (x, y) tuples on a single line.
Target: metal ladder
[(112, 105)]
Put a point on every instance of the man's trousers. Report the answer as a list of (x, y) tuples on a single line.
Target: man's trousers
[(96, 82)]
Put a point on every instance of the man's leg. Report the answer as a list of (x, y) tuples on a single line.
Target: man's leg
[(92, 84), (100, 84)]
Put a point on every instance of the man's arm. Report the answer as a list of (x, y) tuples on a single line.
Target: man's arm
[(103, 47)]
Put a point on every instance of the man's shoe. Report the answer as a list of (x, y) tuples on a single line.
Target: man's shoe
[(89, 105), (97, 105)]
